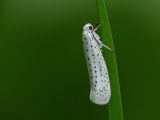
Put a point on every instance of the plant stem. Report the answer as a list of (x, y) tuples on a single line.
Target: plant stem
[(115, 104)]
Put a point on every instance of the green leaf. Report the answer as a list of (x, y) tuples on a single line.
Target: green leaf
[(115, 104)]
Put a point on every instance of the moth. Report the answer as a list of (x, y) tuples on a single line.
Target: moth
[(100, 91)]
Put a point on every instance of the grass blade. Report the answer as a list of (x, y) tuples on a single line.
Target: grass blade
[(115, 104)]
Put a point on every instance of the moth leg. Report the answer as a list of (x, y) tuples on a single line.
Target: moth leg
[(97, 26), (108, 47), (100, 44)]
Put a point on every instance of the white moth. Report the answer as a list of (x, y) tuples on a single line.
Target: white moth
[(100, 85)]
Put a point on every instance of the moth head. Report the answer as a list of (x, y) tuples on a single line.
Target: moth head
[(88, 27)]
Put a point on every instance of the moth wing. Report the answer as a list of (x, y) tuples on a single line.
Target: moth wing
[(100, 86)]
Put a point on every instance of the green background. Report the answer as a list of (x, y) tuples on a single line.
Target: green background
[(43, 73)]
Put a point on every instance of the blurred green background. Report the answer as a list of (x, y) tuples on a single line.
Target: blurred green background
[(43, 73)]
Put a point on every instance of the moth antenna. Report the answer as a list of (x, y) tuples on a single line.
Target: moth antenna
[(98, 25)]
